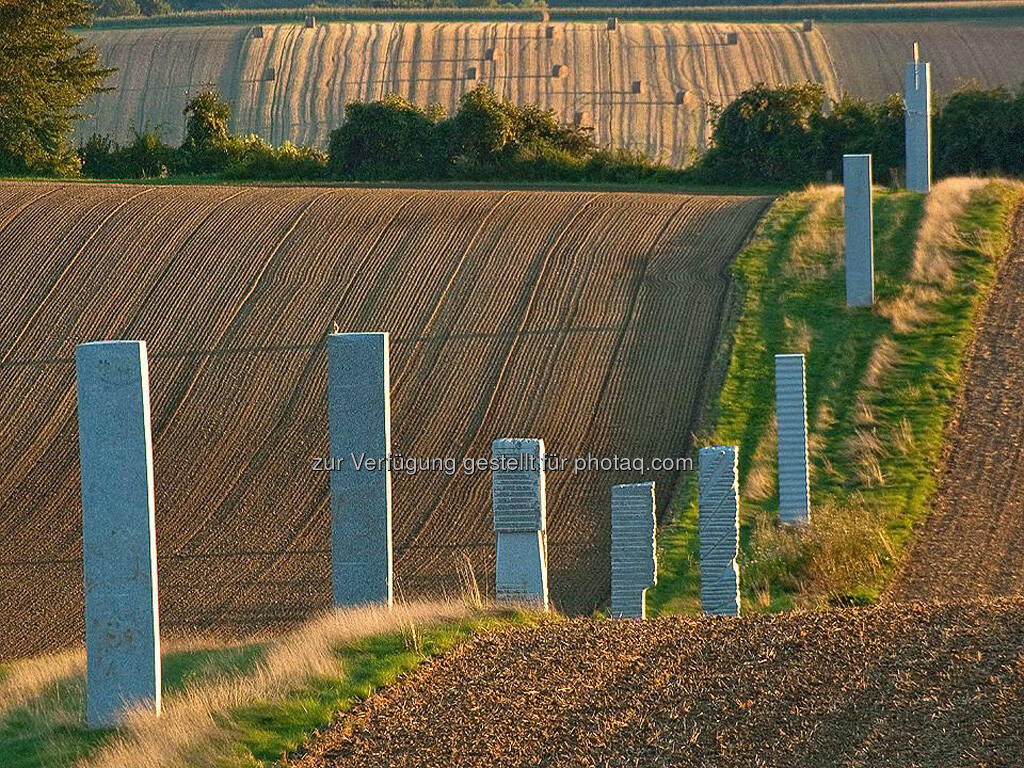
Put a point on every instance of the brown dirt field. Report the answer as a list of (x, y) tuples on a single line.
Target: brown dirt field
[(917, 686), (318, 71), (869, 58), (972, 544), (585, 318)]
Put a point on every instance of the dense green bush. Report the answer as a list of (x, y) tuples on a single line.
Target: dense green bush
[(146, 157), (388, 139), (255, 159), (767, 136), (488, 137), (979, 131)]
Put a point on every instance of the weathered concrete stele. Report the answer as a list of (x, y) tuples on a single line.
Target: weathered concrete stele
[(520, 520), (918, 123), (359, 412), (791, 418), (122, 624), (718, 525), (858, 218), (634, 558)]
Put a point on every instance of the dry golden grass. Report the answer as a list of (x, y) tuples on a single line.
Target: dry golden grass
[(818, 248), (189, 727), (903, 437), (937, 237), (883, 357), (760, 481), (26, 679), (863, 450), (934, 259)]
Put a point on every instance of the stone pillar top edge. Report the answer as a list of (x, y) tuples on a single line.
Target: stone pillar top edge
[(372, 334), (790, 355), (537, 440), (868, 155), (112, 343), (644, 485), (720, 448)]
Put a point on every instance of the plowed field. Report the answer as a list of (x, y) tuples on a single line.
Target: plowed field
[(584, 318), (929, 686), (972, 544), (316, 72)]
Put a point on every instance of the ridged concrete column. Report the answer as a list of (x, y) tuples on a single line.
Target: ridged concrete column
[(858, 216), (122, 623), (359, 413), (634, 558), (718, 526), (917, 95), (791, 418), (520, 520)]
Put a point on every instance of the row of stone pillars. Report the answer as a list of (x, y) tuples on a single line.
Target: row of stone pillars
[(122, 634), (858, 205), (118, 512)]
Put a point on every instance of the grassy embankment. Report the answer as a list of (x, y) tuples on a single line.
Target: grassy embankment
[(236, 705), (880, 385)]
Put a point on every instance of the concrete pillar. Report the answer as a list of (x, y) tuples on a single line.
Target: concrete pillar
[(718, 525), (122, 623), (359, 412), (634, 558), (791, 418), (918, 123), (858, 216), (520, 520)]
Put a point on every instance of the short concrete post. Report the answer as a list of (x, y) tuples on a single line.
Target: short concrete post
[(634, 559), (791, 418), (122, 623), (359, 413), (520, 520), (918, 123), (718, 525), (858, 216)]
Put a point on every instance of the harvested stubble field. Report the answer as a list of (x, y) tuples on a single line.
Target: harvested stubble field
[(897, 685), (972, 544), (316, 72), (582, 317)]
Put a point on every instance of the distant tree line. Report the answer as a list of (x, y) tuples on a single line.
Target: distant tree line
[(787, 136), (782, 136)]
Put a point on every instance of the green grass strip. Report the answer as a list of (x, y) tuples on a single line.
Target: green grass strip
[(791, 289)]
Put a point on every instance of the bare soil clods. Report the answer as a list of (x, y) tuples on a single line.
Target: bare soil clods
[(896, 685), (584, 318), (972, 544)]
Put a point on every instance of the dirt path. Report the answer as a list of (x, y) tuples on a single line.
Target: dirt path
[(973, 542), (891, 685)]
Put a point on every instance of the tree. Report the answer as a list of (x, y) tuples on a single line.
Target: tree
[(767, 135), (207, 146), (46, 74), (856, 126), (388, 139), (980, 131)]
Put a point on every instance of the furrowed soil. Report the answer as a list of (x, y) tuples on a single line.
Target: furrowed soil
[(937, 685), (585, 318), (293, 83), (972, 544)]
